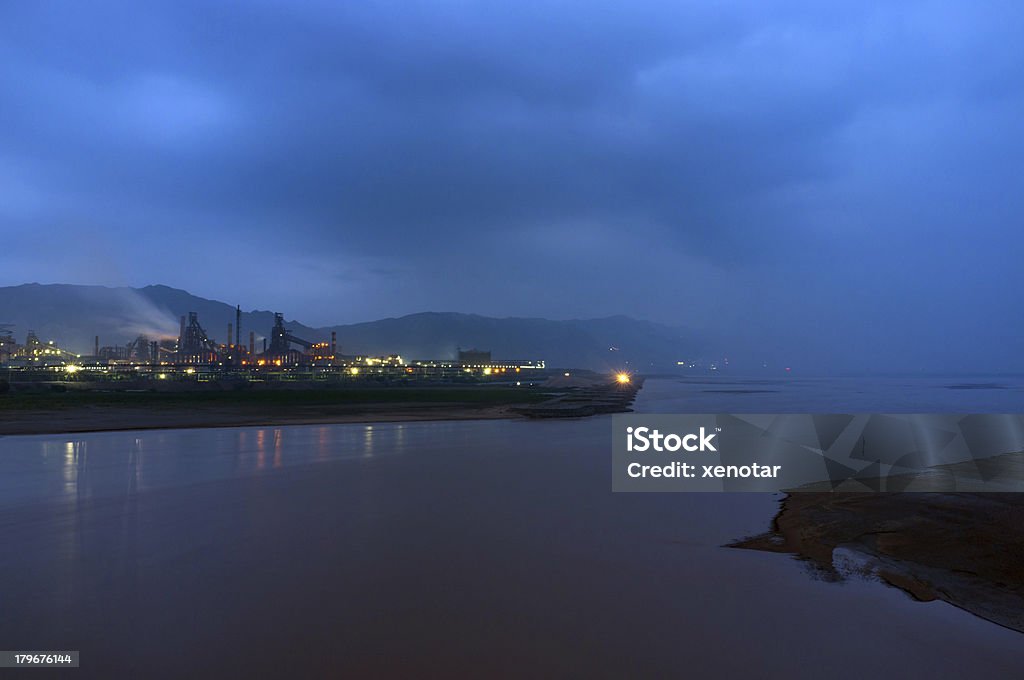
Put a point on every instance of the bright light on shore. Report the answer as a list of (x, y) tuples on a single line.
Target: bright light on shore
[(622, 378), (71, 368)]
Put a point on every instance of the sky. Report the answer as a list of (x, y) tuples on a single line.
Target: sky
[(833, 183)]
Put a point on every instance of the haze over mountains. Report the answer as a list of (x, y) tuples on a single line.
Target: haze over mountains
[(72, 315)]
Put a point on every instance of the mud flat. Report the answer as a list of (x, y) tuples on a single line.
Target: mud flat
[(594, 398), (966, 549)]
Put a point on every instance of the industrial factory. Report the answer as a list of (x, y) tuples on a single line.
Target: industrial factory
[(282, 355)]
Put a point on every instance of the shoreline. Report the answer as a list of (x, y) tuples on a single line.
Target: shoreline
[(80, 411), (965, 549), (127, 419)]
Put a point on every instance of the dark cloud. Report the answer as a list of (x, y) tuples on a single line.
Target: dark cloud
[(792, 177)]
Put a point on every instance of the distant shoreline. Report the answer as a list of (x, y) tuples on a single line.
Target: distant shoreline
[(33, 413), (95, 411), (124, 419)]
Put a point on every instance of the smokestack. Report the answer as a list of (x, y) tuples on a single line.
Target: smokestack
[(231, 334), (252, 343), (238, 322), (334, 344), (264, 345), (96, 353)]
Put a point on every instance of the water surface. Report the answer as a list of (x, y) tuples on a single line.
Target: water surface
[(477, 547)]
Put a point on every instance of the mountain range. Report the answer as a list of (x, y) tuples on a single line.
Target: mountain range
[(72, 315)]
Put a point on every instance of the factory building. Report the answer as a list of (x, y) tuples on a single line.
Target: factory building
[(34, 353), (8, 347), (194, 355), (476, 359)]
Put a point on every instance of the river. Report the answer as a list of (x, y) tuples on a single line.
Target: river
[(484, 548)]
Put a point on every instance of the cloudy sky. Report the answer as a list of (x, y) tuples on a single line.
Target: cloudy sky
[(837, 183)]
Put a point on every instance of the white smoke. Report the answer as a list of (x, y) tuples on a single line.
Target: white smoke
[(142, 317), (125, 313)]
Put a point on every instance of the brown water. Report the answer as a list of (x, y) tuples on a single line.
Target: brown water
[(491, 548)]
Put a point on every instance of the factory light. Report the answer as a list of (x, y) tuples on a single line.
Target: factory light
[(622, 378)]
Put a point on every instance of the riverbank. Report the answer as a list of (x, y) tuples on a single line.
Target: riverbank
[(966, 549), (587, 398), (72, 411), (99, 411)]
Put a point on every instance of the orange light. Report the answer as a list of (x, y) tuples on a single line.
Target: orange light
[(622, 378)]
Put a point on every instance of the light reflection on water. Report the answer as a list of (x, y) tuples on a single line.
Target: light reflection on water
[(277, 448), (368, 441), (261, 448), (56, 467), (71, 467)]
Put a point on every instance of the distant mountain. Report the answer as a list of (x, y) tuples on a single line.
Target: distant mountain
[(73, 315), (584, 343)]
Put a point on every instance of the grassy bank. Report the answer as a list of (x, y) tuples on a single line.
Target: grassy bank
[(92, 411), (271, 398)]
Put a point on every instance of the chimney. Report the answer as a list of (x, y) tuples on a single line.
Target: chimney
[(334, 344), (238, 323), (264, 345), (252, 343), (96, 353)]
